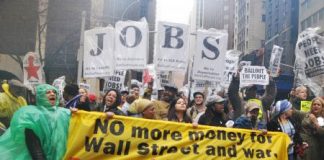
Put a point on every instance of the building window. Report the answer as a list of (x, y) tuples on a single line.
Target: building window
[(309, 21), (225, 8), (321, 14), (247, 44), (263, 18), (315, 18), (303, 25)]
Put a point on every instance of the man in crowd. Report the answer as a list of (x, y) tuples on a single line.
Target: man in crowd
[(162, 106), (198, 108)]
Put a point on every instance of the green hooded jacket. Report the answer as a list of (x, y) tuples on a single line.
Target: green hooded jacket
[(49, 123)]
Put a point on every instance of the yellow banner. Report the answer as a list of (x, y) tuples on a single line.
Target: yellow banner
[(92, 136)]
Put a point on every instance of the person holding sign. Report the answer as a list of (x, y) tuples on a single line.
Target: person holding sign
[(282, 122), (238, 102), (250, 119), (300, 94), (312, 130)]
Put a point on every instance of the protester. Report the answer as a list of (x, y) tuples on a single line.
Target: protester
[(11, 99), (135, 90), (37, 132), (198, 108), (142, 108), (177, 111), (281, 122), (162, 106), (265, 101), (129, 100), (83, 91), (214, 114), (74, 99), (111, 102), (249, 120), (123, 94), (301, 93), (312, 132)]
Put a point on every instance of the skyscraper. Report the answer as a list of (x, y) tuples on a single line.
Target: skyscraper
[(282, 30), (249, 25)]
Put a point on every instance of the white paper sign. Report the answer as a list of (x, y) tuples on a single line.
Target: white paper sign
[(251, 75), (116, 81), (172, 47), (209, 60), (275, 59), (32, 69), (59, 83), (231, 66), (98, 52), (85, 86), (131, 44), (309, 63)]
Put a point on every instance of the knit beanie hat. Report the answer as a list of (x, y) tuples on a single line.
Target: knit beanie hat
[(281, 107), (139, 105)]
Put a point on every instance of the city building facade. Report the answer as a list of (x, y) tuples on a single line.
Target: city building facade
[(311, 14), (249, 25)]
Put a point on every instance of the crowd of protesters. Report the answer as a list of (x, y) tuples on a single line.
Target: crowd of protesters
[(237, 109)]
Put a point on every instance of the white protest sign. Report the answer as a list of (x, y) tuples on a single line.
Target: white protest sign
[(231, 66), (131, 44), (98, 52), (164, 78), (251, 75), (172, 47), (116, 81), (32, 69), (84, 86), (275, 59), (59, 83), (310, 59), (209, 60)]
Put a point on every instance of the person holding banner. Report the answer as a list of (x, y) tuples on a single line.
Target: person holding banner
[(198, 108), (214, 114), (111, 102), (143, 108), (37, 131), (250, 119), (162, 106), (238, 103), (282, 122), (177, 111), (312, 130)]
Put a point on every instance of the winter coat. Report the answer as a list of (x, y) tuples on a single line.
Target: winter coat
[(313, 137)]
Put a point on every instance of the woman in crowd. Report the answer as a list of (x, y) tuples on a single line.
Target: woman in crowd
[(177, 111), (111, 102), (312, 131), (214, 114), (37, 132), (282, 122), (142, 108)]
